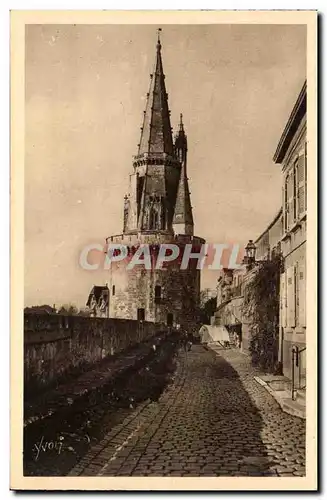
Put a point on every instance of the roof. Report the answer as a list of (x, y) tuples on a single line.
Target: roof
[(156, 134), (275, 219), (45, 309), (298, 112)]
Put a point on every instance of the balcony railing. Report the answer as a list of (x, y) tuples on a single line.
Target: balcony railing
[(298, 380)]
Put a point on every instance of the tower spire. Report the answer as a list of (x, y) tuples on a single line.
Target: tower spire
[(181, 124), (158, 41), (156, 135), (183, 217), (181, 141)]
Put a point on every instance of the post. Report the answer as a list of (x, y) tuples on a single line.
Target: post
[(299, 365), (293, 370)]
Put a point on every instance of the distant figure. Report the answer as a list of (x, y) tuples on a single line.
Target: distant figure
[(186, 342)]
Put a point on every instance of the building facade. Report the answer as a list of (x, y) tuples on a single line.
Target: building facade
[(286, 235), (291, 155), (232, 283), (229, 304), (157, 210), (269, 242)]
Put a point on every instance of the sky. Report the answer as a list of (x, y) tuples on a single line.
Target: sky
[(85, 92)]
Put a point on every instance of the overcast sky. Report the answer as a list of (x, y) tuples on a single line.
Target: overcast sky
[(85, 95)]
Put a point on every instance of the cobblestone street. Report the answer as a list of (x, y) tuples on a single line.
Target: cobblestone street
[(212, 420)]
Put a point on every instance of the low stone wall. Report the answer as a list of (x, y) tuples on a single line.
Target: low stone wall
[(58, 346)]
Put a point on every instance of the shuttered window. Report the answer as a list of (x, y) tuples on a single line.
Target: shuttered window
[(295, 186), (290, 277), (296, 294), (301, 294), (294, 193), (289, 196), (305, 177), (285, 218), (283, 301), (301, 187)]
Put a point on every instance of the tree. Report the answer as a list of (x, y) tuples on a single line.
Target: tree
[(68, 310), (261, 308), (84, 311), (208, 306), (44, 309), (204, 296)]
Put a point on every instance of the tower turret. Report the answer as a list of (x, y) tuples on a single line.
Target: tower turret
[(183, 218)]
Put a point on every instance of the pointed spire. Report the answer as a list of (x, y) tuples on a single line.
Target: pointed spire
[(156, 136), (181, 141), (183, 217), (158, 41), (181, 124)]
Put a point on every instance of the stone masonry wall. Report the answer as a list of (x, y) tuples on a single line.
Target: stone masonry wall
[(56, 346), (135, 289)]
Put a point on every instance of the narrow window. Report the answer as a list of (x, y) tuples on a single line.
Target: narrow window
[(286, 204), (296, 292), (141, 314), (113, 289), (170, 319), (295, 190), (157, 294), (305, 176)]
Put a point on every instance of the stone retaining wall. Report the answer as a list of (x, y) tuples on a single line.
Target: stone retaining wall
[(57, 346)]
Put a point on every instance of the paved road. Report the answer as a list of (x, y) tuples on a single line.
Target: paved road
[(213, 420)]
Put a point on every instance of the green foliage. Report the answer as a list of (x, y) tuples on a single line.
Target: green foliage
[(68, 310), (261, 309), (207, 309)]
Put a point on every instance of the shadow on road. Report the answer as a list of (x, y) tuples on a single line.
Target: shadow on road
[(53, 446), (230, 424)]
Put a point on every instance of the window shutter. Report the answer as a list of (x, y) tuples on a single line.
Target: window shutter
[(301, 189), (290, 207), (305, 177), (283, 302), (284, 190), (290, 297), (302, 294), (295, 191), (296, 293)]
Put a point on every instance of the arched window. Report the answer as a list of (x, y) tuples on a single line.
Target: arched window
[(154, 219)]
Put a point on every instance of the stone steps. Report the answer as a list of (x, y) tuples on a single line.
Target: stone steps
[(280, 388)]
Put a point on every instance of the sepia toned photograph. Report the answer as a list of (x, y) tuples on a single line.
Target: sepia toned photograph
[(164, 307)]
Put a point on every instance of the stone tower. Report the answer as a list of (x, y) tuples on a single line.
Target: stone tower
[(157, 210)]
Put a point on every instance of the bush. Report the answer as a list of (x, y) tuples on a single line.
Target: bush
[(261, 308)]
